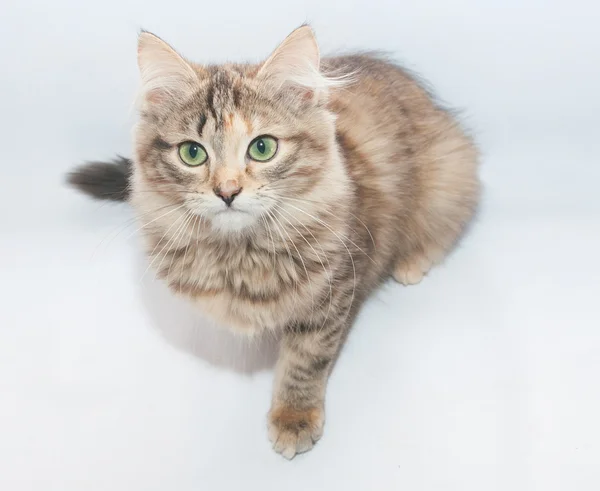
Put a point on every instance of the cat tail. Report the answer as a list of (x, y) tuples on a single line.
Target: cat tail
[(103, 180)]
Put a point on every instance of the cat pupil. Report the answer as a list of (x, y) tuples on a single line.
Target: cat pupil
[(193, 151), (260, 146)]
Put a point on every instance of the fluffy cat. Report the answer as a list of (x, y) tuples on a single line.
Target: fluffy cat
[(278, 196)]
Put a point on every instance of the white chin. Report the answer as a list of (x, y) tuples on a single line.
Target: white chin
[(232, 221)]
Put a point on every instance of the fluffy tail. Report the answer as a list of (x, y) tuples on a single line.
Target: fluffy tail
[(103, 180)]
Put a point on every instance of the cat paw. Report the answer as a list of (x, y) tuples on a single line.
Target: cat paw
[(293, 431), (411, 272)]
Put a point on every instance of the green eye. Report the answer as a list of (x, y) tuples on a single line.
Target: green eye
[(262, 148), (192, 154)]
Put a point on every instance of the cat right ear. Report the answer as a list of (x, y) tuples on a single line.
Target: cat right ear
[(295, 63), (164, 73)]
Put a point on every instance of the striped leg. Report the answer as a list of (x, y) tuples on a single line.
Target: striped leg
[(297, 412)]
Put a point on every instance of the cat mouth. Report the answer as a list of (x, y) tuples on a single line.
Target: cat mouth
[(231, 210)]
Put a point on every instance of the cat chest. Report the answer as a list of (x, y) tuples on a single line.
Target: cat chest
[(247, 294)]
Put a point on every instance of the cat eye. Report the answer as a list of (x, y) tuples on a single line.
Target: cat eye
[(192, 154), (262, 148)]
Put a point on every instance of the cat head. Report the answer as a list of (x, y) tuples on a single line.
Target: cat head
[(233, 142)]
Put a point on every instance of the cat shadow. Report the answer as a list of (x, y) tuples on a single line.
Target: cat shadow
[(184, 327)]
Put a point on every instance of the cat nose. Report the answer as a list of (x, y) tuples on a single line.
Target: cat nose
[(228, 191)]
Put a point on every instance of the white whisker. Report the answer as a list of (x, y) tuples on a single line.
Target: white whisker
[(180, 234), (333, 215), (155, 219), (312, 293), (194, 232), (292, 264), (177, 220), (267, 226), (327, 272), (345, 246), (121, 228)]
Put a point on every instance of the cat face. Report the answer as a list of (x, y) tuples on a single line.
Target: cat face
[(232, 154), (233, 143)]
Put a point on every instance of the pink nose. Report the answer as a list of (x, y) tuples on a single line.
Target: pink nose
[(228, 191)]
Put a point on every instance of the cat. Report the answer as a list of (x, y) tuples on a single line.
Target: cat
[(278, 196)]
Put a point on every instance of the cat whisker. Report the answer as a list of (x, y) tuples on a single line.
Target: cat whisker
[(180, 235), (195, 229), (343, 235), (349, 212), (122, 227), (310, 285), (154, 257), (165, 188), (272, 217), (172, 247), (347, 250), (155, 219), (268, 228), (327, 272)]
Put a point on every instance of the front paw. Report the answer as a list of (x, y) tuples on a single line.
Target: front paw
[(294, 431)]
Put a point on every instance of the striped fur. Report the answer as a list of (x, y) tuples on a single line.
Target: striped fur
[(371, 180)]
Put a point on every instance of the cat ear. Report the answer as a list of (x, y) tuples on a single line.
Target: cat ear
[(295, 62), (164, 73)]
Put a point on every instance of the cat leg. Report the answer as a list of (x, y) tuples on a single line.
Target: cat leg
[(297, 412)]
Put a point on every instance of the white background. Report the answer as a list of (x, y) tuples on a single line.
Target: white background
[(484, 377)]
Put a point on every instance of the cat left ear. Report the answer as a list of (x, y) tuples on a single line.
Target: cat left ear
[(164, 73), (295, 62)]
